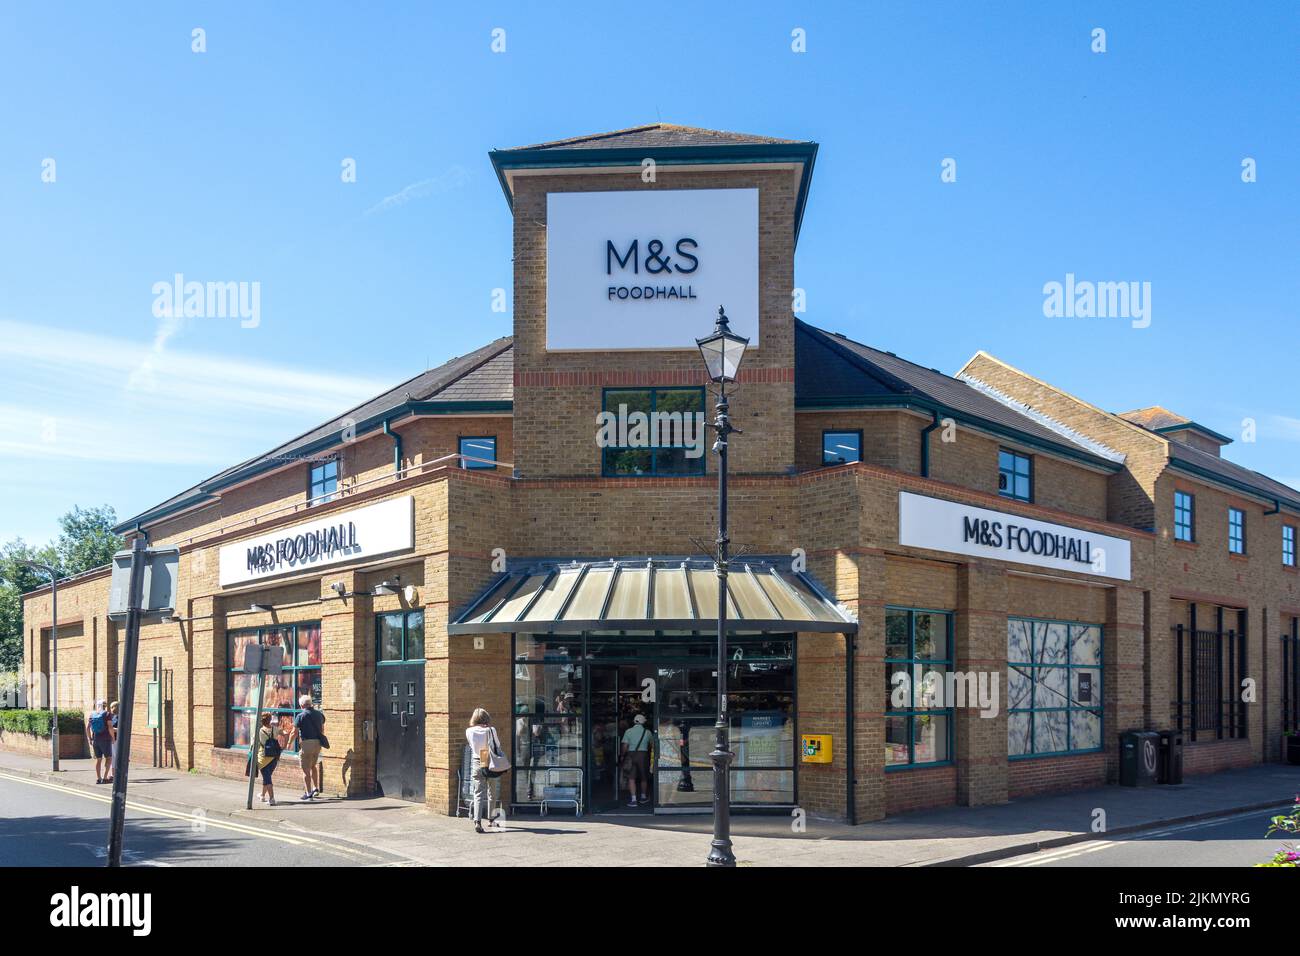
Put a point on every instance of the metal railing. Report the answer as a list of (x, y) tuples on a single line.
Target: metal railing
[(1210, 668)]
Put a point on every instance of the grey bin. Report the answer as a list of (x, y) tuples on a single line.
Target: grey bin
[(1171, 756), (1139, 758)]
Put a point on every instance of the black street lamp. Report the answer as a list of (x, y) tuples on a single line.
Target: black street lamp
[(722, 353)]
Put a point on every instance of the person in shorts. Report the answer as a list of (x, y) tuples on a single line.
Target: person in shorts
[(309, 728), (99, 734)]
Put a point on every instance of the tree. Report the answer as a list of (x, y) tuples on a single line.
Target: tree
[(87, 541)]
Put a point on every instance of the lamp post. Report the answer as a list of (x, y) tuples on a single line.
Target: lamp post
[(54, 654), (722, 352)]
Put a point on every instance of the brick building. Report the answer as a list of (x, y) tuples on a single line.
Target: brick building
[(971, 583)]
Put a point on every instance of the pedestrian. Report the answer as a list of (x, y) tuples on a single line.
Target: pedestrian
[(268, 752), (309, 728), (112, 727), (99, 734), (483, 741), (635, 756)]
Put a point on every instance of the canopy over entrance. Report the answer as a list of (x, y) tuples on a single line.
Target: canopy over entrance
[(569, 597)]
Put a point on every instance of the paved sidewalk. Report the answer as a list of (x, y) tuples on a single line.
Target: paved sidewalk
[(946, 837)]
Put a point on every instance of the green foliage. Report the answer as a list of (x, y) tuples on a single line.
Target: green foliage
[(37, 722), (86, 541), (1288, 856)]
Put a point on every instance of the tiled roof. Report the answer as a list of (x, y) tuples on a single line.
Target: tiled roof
[(456, 380), (656, 135), (1154, 417), (830, 368), (1216, 467)]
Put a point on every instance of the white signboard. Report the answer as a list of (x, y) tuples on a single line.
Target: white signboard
[(647, 269), (980, 532), (343, 536)]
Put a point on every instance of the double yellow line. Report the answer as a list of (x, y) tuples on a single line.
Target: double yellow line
[(204, 820)]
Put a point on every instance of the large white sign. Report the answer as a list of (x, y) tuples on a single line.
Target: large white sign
[(980, 532), (345, 536), (647, 269)]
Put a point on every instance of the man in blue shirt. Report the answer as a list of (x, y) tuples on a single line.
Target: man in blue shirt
[(309, 728)]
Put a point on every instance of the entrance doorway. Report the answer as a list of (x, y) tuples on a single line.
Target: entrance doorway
[(576, 697), (399, 705), (619, 694)]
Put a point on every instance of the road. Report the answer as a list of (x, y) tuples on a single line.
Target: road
[(47, 824), (1236, 840)]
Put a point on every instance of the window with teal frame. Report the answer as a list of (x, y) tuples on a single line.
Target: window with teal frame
[(1054, 671), (662, 447), (300, 675), (918, 660)]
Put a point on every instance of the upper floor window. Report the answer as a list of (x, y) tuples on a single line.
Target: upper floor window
[(1015, 475), (324, 481), (483, 448), (645, 432), (1184, 516), (841, 448), (1288, 545), (1236, 531)]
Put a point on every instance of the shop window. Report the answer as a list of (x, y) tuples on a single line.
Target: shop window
[(1184, 516), (1236, 531), (1288, 545), (323, 481), (1015, 475), (918, 665), (648, 432), (482, 447), (1053, 687), (841, 448), (399, 637), (301, 675)]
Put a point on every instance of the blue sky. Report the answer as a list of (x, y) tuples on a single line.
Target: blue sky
[(225, 165)]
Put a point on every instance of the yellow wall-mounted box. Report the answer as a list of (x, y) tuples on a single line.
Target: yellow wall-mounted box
[(816, 748)]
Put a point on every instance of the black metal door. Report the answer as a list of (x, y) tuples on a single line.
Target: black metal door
[(399, 740)]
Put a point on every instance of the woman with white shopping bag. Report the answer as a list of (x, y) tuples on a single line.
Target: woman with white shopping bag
[(488, 763)]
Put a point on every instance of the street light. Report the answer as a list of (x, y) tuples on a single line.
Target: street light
[(722, 352), (54, 663)]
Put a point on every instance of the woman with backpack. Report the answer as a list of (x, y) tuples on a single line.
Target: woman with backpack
[(488, 762), (268, 752)]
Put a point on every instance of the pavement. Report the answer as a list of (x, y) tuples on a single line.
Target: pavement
[(394, 832)]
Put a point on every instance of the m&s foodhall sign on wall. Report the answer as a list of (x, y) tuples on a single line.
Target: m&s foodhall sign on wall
[(647, 269)]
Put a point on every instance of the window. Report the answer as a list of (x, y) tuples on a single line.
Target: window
[(840, 448), (399, 637), (918, 715), (1236, 531), (324, 481), (652, 431), (1053, 687), (484, 447), (1184, 516), (301, 675), (1015, 476), (1288, 545)]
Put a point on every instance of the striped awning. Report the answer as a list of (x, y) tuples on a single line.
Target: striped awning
[(568, 597)]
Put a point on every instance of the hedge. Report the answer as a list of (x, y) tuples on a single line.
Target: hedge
[(38, 722)]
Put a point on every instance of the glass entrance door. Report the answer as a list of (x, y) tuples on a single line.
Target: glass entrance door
[(617, 697)]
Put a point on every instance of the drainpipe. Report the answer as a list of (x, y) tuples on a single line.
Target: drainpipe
[(397, 447), (850, 645), (925, 445), (1277, 506)]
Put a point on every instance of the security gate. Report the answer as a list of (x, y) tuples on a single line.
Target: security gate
[(399, 706)]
